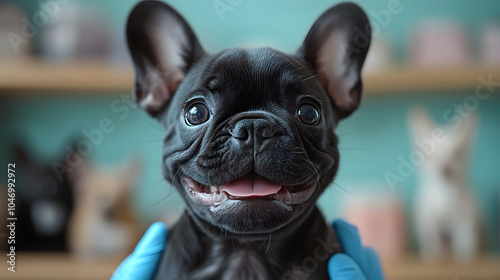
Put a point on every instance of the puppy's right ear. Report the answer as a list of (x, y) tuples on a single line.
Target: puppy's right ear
[(163, 49), (335, 49)]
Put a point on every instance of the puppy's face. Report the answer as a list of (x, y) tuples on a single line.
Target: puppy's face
[(250, 141)]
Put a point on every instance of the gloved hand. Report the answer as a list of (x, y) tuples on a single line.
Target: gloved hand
[(356, 263), (142, 263)]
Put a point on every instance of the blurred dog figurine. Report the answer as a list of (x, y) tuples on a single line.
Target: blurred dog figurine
[(446, 216), (104, 222), (250, 142), (44, 205)]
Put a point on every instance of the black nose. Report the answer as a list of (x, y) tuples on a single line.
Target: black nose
[(255, 131)]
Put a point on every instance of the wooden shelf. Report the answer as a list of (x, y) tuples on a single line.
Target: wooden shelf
[(57, 266), (404, 79), (411, 268), (35, 75)]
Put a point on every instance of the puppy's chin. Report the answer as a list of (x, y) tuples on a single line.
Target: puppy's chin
[(265, 209)]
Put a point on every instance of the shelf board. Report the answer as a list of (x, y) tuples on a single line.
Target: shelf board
[(59, 266), (87, 76), (406, 79), (35, 75), (486, 267)]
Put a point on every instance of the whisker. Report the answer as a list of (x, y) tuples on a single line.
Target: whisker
[(232, 244), (153, 126), (158, 182), (332, 189), (178, 172), (347, 132), (262, 244), (268, 244), (355, 149), (316, 170), (171, 191), (299, 152), (313, 76), (148, 141), (342, 188)]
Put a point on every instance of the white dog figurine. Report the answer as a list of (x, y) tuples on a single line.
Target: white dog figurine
[(446, 216)]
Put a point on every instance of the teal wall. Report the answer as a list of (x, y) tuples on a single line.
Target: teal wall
[(371, 140), (284, 23)]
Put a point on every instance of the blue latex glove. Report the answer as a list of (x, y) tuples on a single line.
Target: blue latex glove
[(142, 263), (357, 263)]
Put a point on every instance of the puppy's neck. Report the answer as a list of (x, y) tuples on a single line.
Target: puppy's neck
[(302, 250)]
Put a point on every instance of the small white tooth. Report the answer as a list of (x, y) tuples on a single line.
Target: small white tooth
[(214, 189)]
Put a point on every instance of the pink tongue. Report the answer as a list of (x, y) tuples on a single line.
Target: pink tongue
[(251, 186)]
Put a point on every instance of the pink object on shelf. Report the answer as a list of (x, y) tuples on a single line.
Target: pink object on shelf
[(13, 32), (381, 224), (439, 43)]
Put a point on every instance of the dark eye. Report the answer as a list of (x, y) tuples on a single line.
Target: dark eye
[(308, 114), (197, 114)]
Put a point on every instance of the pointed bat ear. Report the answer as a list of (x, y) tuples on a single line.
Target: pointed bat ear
[(163, 49), (335, 49), (420, 122)]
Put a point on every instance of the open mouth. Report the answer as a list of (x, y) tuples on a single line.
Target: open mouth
[(249, 187)]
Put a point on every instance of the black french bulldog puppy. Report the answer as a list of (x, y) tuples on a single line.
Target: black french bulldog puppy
[(250, 142)]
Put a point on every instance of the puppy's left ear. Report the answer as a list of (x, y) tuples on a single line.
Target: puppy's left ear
[(335, 49), (163, 49)]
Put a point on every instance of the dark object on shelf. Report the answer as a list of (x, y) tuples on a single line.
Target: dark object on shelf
[(44, 204)]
